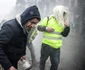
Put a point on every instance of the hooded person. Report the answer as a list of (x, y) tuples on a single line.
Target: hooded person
[(54, 28), (13, 37)]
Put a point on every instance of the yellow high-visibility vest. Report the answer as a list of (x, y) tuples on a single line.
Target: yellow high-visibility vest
[(53, 39)]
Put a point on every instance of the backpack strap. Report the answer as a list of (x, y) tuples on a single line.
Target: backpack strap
[(47, 20)]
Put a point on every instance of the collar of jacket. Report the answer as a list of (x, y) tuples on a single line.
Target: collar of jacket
[(18, 18)]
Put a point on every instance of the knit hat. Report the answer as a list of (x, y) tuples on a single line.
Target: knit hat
[(29, 13)]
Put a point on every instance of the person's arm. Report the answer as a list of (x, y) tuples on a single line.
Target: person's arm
[(43, 24), (45, 29), (41, 28), (6, 35), (66, 31)]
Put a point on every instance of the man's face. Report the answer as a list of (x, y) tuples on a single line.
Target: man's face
[(31, 23)]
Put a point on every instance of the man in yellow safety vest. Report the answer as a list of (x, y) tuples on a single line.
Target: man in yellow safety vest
[(53, 28)]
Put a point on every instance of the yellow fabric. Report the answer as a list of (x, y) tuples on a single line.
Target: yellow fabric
[(33, 35), (57, 28)]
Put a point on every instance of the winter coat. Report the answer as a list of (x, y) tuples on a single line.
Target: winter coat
[(13, 37)]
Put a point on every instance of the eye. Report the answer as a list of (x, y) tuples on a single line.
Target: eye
[(33, 23)]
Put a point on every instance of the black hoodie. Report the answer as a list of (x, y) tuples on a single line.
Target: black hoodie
[(30, 13)]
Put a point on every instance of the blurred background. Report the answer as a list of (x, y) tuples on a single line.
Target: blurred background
[(73, 50)]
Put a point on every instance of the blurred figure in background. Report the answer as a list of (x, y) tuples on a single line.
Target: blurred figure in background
[(54, 28), (13, 37), (31, 37)]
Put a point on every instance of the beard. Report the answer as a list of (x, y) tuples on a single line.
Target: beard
[(26, 29)]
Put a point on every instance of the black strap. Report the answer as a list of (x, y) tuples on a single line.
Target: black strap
[(47, 20)]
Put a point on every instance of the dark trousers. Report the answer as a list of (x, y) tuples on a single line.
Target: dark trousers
[(54, 54)]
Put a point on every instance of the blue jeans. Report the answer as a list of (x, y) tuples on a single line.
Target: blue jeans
[(54, 54)]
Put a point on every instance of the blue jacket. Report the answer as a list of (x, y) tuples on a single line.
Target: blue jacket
[(13, 37)]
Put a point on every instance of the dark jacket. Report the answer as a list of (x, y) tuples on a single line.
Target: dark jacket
[(13, 37)]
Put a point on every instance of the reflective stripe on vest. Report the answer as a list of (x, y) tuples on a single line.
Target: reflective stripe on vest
[(52, 38), (58, 33)]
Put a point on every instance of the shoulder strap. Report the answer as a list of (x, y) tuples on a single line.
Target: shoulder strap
[(47, 20)]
